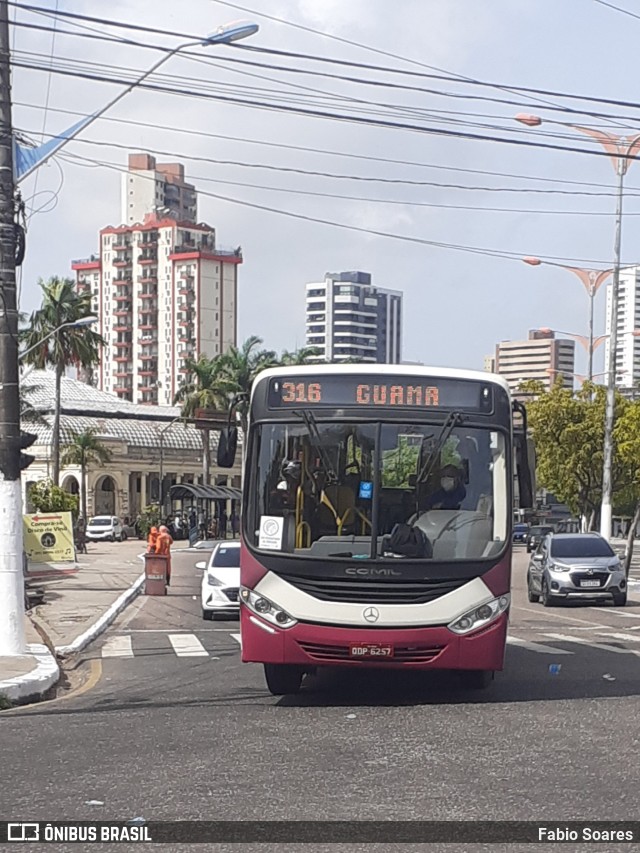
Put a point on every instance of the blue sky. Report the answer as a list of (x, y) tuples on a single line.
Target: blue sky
[(457, 304)]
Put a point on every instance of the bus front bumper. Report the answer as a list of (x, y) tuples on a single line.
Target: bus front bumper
[(313, 645)]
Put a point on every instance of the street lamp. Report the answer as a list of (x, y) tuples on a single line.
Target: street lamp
[(162, 432), (74, 324), (28, 159), (591, 279), (621, 151)]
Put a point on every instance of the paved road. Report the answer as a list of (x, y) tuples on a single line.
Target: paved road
[(178, 728)]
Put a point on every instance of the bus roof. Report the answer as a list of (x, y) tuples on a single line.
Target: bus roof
[(369, 369)]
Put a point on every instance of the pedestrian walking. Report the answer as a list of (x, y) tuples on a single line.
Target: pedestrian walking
[(163, 548), (222, 525), (235, 523)]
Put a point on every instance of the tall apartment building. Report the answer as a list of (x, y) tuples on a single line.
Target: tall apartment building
[(347, 317), (162, 291), (628, 346), (541, 357), (160, 188)]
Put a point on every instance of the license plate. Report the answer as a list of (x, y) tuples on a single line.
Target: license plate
[(370, 650), (590, 583)]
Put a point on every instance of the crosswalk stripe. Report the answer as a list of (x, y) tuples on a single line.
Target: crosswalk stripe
[(187, 646), (117, 647), (237, 638), (603, 646), (537, 647), (634, 638), (618, 611)]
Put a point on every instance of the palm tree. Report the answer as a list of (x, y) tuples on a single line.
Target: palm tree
[(237, 370), (202, 389), (304, 355), (29, 415), (79, 347), (83, 450)]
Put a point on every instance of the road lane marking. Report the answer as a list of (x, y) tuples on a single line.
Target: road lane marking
[(238, 639), (555, 615), (188, 646), (172, 630), (537, 647), (603, 646), (117, 647)]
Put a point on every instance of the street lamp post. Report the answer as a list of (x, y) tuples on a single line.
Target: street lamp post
[(16, 163), (27, 160), (74, 324), (162, 432), (591, 279), (621, 151)]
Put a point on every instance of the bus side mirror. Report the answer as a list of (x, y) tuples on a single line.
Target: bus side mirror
[(525, 469), (227, 444)]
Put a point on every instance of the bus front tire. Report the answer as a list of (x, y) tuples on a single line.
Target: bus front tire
[(476, 679), (282, 679)]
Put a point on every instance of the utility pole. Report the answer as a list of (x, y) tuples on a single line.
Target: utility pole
[(12, 635)]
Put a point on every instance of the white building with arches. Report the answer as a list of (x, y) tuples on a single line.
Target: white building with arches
[(144, 442)]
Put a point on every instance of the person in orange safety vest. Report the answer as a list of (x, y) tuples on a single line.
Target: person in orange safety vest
[(151, 540), (163, 548)]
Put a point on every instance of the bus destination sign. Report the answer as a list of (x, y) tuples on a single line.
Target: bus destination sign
[(353, 391)]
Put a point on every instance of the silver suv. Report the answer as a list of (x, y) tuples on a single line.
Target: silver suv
[(576, 566)]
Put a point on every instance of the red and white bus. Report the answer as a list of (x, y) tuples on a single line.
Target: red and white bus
[(377, 519)]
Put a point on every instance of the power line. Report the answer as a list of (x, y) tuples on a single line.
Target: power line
[(619, 9), (504, 254), (324, 151), (456, 78), (367, 199), (334, 175), (334, 116)]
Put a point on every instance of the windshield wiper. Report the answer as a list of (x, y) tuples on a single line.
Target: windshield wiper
[(312, 425), (452, 421)]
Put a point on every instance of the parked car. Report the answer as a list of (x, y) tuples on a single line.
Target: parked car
[(520, 532), (221, 581), (570, 566), (536, 535), (107, 527)]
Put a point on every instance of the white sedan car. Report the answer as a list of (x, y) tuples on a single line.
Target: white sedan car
[(221, 581)]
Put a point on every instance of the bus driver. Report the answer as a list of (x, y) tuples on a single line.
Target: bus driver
[(451, 492)]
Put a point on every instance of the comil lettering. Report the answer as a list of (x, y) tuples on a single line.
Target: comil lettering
[(397, 395)]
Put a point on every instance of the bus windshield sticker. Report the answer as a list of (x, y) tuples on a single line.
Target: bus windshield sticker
[(271, 527), (366, 490)]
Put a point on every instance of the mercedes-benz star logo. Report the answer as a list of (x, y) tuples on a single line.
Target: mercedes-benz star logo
[(371, 614)]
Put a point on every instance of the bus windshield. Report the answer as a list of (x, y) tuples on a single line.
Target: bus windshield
[(346, 490)]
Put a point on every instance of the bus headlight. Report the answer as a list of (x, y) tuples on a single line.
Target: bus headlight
[(269, 611), (480, 616)]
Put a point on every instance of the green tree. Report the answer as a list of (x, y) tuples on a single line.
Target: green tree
[(60, 347), (45, 496), (238, 368), (149, 517), (627, 442), (202, 389), (304, 355), (568, 432), (29, 415), (84, 450)]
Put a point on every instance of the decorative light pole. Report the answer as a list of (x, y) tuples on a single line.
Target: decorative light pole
[(591, 279), (621, 150)]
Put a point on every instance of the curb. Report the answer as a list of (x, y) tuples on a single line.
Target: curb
[(104, 621), (32, 686)]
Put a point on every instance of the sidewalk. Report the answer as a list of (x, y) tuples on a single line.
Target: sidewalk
[(81, 600)]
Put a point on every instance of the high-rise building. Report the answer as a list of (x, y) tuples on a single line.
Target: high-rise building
[(162, 292), (541, 357), (628, 345), (348, 318), (160, 188)]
